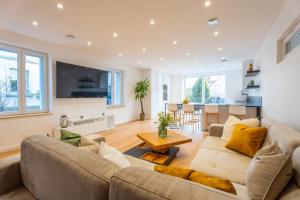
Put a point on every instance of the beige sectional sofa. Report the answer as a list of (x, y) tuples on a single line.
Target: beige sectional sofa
[(50, 169)]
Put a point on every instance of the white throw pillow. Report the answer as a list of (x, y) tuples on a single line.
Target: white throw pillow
[(89, 145), (232, 121), (269, 172), (113, 155)]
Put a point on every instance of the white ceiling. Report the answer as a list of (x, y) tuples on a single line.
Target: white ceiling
[(243, 27)]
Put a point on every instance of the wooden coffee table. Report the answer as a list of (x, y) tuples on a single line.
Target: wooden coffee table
[(162, 145)]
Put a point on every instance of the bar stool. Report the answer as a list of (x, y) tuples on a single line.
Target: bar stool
[(189, 117), (173, 109), (211, 110), (239, 111)]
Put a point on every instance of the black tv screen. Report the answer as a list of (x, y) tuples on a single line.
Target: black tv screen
[(73, 81)]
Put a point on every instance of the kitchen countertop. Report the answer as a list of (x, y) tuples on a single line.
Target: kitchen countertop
[(238, 103)]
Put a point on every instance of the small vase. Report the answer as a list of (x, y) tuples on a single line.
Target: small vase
[(162, 132)]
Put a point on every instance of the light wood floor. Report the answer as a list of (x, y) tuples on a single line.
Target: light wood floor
[(123, 137)]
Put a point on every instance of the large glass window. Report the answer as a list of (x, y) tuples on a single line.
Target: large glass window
[(114, 97), (212, 87), (22, 81)]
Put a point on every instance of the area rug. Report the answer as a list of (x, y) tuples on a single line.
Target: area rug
[(145, 153)]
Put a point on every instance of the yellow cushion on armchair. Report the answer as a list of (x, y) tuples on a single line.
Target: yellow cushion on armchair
[(247, 140)]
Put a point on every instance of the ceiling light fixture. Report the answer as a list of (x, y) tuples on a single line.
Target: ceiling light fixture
[(70, 36), (223, 59), (152, 22), (35, 23), (144, 49), (60, 6), (161, 58), (115, 34), (89, 43), (175, 42), (187, 54), (120, 54), (140, 62), (216, 33), (220, 49), (207, 3), (213, 21)]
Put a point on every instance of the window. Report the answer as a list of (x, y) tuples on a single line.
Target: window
[(23, 78), (212, 87), (115, 96)]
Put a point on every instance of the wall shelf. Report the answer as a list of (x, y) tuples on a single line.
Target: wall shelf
[(253, 86), (252, 73)]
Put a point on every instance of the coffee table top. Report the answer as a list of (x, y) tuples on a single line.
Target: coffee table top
[(173, 138)]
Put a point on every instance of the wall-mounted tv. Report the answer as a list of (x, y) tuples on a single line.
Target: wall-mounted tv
[(73, 81)]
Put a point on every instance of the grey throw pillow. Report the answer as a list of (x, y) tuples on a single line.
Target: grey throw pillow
[(268, 173)]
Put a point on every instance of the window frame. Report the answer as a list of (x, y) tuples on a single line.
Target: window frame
[(113, 91), (21, 64), (202, 76)]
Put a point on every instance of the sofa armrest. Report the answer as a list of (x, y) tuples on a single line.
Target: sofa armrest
[(216, 130), (10, 175), (143, 184)]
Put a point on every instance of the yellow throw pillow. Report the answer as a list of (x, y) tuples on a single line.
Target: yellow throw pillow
[(247, 140), (173, 171), (214, 182)]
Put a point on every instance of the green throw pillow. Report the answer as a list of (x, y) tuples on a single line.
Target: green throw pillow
[(69, 137)]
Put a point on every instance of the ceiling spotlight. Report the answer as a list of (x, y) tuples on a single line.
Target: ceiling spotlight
[(213, 21), (187, 54), (35, 23), (115, 34), (70, 36), (60, 6), (216, 33), (140, 62), (220, 49), (89, 43), (175, 42), (207, 3), (152, 22), (120, 54), (161, 58), (223, 59), (144, 49)]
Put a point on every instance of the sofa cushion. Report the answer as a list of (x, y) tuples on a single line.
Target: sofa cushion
[(290, 192), (268, 173), (19, 193), (231, 166), (136, 162), (296, 165), (142, 184), (247, 140), (174, 171), (52, 169), (89, 145)]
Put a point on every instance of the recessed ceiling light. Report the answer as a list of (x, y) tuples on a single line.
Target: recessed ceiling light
[(207, 3), (140, 62), (115, 34), (175, 42), (213, 21), (216, 33), (187, 54), (220, 49), (89, 43), (161, 58), (224, 59), (144, 49), (60, 6), (35, 23), (70, 36), (195, 61), (152, 22), (120, 54)]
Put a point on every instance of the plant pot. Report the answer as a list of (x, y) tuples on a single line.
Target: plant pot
[(142, 116), (162, 132)]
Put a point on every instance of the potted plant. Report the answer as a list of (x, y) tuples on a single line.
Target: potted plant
[(141, 89), (163, 122)]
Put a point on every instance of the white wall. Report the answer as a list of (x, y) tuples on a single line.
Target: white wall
[(13, 130), (280, 87), (232, 90)]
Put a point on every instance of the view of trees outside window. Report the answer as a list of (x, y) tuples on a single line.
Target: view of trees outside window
[(8, 81), (211, 87)]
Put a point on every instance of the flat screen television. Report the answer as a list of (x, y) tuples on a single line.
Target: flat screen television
[(74, 81)]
